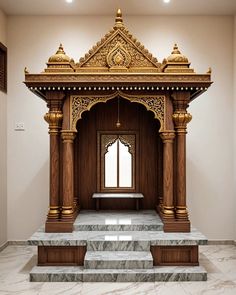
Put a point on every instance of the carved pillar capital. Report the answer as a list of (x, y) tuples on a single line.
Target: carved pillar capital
[(167, 136), (68, 136), (54, 119), (181, 119)]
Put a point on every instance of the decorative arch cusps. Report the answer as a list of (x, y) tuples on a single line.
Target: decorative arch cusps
[(117, 66)]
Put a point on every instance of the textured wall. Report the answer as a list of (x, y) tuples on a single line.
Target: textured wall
[(3, 146), (206, 41)]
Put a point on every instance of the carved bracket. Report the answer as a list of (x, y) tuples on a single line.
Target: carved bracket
[(82, 103)]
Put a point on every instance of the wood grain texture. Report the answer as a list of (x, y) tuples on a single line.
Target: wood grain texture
[(61, 255), (59, 226), (54, 169), (133, 117), (175, 255)]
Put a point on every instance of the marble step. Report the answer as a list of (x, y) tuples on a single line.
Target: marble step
[(79, 274), (143, 220), (117, 240), (118, 260)]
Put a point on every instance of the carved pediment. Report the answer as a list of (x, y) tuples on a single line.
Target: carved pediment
[(118, 51)]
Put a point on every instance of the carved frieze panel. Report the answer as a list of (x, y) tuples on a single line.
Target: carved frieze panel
[(82, 103)]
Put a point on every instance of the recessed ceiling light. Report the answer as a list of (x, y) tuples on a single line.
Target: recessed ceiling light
[(69, 1), (166, 1)]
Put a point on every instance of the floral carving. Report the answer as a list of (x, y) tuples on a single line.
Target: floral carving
[(155, 103)]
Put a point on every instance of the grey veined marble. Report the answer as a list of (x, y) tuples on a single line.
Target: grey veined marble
[(118, 260), (117, 240), (118, 249), (143, 220), (75, 274)]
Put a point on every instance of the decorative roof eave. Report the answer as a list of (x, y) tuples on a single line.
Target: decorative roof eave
[(87, 82), (76, 79)]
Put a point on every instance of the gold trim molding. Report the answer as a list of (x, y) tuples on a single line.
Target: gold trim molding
[(82, 103)]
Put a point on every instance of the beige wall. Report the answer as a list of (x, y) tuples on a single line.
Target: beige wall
[(235, 116), (3, 146), (207, 41)]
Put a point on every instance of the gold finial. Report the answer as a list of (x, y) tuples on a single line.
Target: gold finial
[(175, 49), (119, 20), (209, 71), (26, 70), (60, 49)]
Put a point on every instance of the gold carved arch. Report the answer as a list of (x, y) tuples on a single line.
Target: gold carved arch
[(82, 103)]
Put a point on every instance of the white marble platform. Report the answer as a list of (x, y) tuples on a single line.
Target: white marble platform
[(79, 274), (142, 220), (118, 249)]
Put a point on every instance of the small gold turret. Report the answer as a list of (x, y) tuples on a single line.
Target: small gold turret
[(176, 62), (59, 62)]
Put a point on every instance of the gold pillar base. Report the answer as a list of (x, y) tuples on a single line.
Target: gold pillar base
[(67, 212), (168, 212), (181, 213), (53, 213)]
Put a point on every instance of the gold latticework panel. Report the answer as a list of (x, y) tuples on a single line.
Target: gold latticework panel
[(82, 103)]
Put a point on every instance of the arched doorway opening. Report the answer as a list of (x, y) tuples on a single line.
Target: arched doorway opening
[(135, 121)]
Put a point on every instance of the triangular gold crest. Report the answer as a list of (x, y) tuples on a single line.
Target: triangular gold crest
[(118, 51)]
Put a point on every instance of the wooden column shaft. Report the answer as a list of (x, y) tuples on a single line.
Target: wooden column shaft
[(181, 169), (68, 174), (54, 118), (168, 206), (54, 169), (181, 118)]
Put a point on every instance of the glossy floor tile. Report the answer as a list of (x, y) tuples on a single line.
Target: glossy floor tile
[(220, 262)]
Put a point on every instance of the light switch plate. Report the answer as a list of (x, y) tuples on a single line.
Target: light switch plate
[(19, 126)]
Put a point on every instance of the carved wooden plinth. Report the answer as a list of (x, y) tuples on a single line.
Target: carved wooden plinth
[(61, 255), (175, 255)]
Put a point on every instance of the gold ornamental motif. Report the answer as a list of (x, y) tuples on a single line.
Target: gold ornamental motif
[(82, 103), (139, 57), (54, 120), (118, 58), (181, 119)]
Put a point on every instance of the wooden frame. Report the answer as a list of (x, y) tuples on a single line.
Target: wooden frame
[(100, 163), (3, 68)]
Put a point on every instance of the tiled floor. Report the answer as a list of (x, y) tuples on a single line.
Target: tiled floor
[(17, 261)]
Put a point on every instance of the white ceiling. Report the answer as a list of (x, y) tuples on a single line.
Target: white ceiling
[(109, 7)]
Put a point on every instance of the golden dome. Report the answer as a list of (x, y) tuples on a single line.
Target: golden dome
[(60, 56), (176, 56)]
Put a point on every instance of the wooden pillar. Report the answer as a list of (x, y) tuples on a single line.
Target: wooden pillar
[(168, 205), (181, 118), (54, 118), (68, 137)]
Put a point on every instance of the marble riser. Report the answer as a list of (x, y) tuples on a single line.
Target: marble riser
[(118, 264), (104, 227), (78, 274), (118, 245), (118, 260)]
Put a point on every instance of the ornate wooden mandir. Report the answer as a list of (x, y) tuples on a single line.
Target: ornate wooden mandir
[(118, 65)]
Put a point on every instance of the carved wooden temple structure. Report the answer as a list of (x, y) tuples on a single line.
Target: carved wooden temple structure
[(118, 93)]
